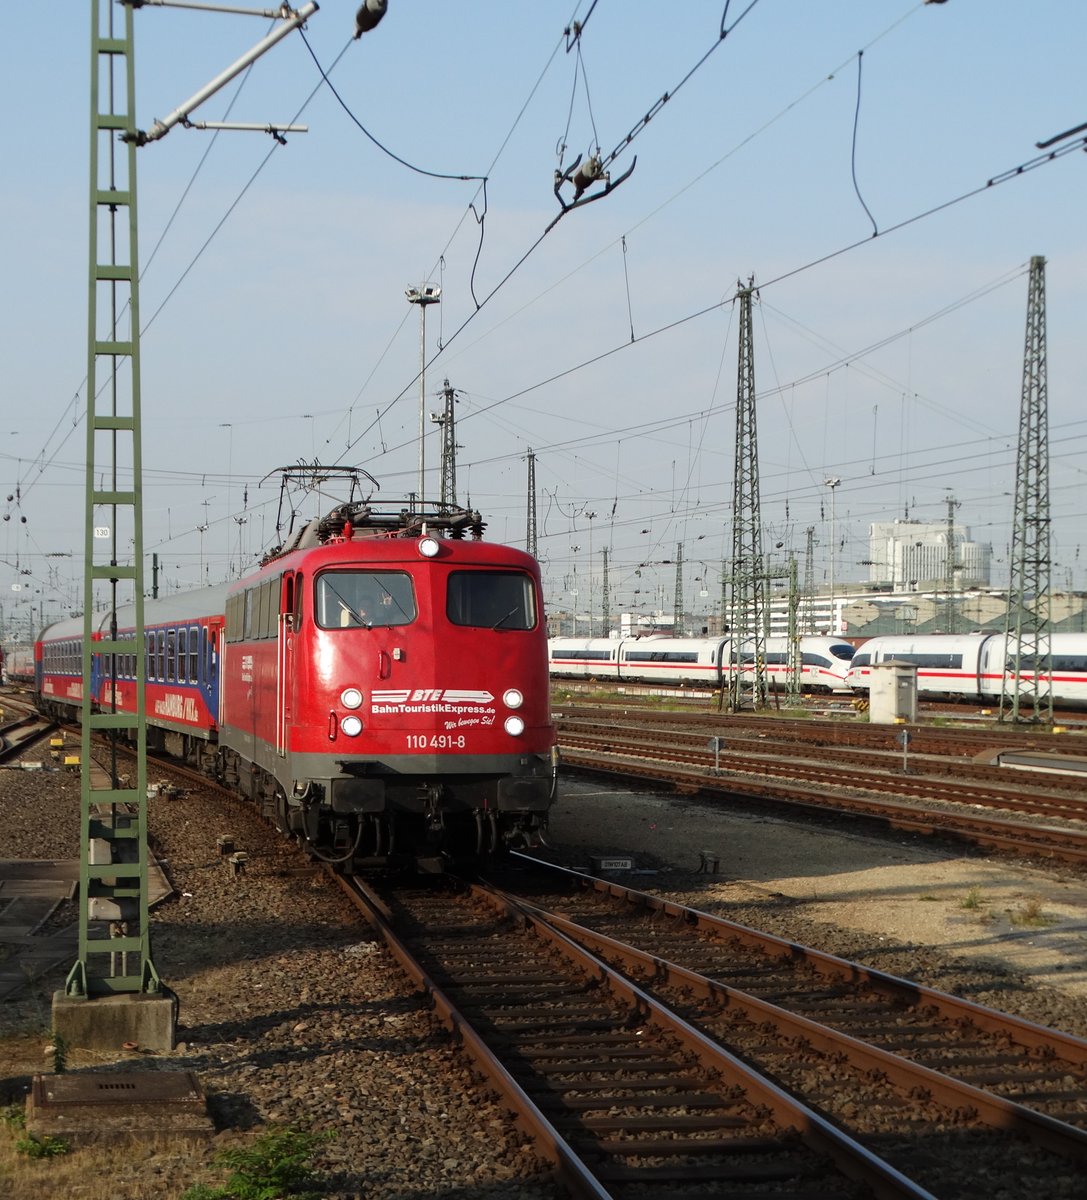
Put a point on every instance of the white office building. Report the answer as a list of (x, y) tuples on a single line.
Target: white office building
[(911, 554)]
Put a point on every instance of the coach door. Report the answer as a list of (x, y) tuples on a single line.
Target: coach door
[(284, 661)]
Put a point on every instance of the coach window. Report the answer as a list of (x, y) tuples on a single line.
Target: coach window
[(491, 599), (248, 621), (363, 599), (235, 617), (160, 637), (194, 655), (171, 656), (268, 607)]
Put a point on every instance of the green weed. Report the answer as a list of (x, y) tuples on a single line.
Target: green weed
[(276, 1165), (43, 1147)]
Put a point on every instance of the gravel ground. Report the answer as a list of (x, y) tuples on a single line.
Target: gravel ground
[(1009, 935), (291, 1015)]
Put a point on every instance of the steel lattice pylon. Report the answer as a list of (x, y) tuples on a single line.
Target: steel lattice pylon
[(605, 616), (114, 937), (809, 578), (530, 531), (447, 421), (677, 597), (1028, 661), (748, 575)]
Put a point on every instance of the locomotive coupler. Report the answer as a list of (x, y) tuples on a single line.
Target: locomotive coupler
[(432, 811)]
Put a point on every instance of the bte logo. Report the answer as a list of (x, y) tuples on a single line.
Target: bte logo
[(431, 696)]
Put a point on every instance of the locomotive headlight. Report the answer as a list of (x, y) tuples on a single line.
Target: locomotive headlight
[(428, 547), (351, 698), (351, 725), (514, 726), (512, 698)]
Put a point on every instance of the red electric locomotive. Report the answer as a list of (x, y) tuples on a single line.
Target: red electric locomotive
[(379, 686), (384, 689)]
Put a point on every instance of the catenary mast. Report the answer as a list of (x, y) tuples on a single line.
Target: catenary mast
[(748, 578), (1028, 663)]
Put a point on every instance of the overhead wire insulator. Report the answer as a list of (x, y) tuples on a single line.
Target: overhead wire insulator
[(368, 16), (587, 174)]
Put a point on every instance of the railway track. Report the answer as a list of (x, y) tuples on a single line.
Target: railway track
[(652, 1083), (1051, 823), (655, 1081), (872, 748), (963, 740), (999, 791), (20, 729), (1019, 1060)]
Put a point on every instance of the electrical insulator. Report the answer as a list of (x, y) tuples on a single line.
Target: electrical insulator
[(586, 175), (368, 15)]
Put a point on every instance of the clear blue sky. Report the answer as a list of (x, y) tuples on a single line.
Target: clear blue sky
[(288, 334)]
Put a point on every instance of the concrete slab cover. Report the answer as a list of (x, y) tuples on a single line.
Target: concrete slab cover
[(89, 1106)]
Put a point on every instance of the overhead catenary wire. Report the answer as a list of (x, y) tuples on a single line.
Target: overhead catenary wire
[(624, 265), (480, 304), (853, 149), (669, 326), (723, 32)]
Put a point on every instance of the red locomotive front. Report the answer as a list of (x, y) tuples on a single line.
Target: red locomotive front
[(388, 695)]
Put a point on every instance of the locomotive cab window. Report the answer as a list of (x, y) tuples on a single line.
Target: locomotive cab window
[(491, 600), (363, 599)]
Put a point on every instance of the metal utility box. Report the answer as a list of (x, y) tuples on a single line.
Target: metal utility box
[(892, 694)]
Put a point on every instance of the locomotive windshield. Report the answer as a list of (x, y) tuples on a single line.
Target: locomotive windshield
[(491, 600), (363, 599)]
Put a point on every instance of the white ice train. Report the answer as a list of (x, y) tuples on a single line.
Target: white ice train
[(972, 665), (702, 662)]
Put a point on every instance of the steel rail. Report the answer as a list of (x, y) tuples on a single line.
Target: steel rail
[(850, 1157), (993, 1110), (1062, 844), (1008, 794), (908, 992)]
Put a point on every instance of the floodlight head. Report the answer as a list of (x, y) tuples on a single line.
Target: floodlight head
[(369, 14), (426, 293), (832, 482)]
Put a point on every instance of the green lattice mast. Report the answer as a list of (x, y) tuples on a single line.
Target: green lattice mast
[(114, 940)]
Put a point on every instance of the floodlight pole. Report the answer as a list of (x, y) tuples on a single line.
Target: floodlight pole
[(833, 483), (427, 293)]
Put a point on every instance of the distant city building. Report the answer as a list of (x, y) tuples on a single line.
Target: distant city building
[(911, 554)]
